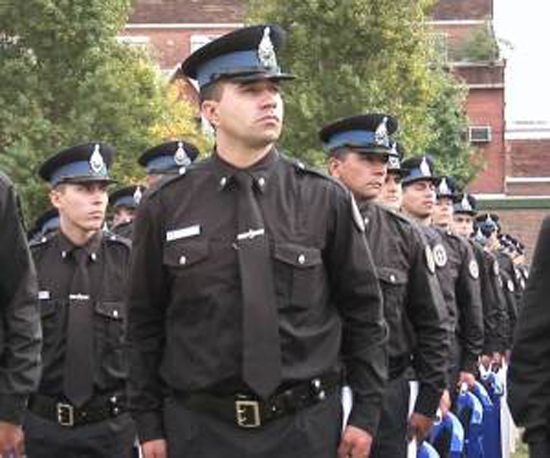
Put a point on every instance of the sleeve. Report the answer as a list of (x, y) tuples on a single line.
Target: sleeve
[(427, 312), (468, 298), (20, 319), (147, 292), (357, 294), (529, 371)]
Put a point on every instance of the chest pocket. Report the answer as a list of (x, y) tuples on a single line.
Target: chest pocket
[(110, 323), (299, 274), (183, 254), (394, 287)]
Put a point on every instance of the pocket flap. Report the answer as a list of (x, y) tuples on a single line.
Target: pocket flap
[(185, 253), (296, 255), (114, 310), (391, 275)]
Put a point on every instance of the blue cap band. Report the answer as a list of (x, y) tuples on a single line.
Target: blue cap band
[(232, 63), (161, 164), (358, 138), (417, 173), (77, 169), (127, 201)]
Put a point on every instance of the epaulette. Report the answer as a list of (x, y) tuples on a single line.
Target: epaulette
[(301, 167), (115, 238), (168, 180), (42, 240)]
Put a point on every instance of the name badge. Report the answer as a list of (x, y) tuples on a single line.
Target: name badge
[(43, 295), (183, 233)]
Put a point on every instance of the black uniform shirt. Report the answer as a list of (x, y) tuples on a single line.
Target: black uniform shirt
[(458, 274), (413, 303), (125, 230), (507, 275), (185, 296), (494, 307), (20, 335), (108, 269)]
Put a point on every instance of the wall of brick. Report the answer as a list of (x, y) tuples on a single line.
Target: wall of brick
[(485, 107), (529, 158), (186, 11), (463, 9)]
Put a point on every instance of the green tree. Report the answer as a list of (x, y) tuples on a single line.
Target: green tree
[(478, 45), (67, 80), (364, 56)]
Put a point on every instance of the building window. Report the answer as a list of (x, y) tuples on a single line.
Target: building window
[(479, 134), (199, 40)]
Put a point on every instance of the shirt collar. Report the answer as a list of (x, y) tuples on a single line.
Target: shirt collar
[(92, 246), (261, 171)]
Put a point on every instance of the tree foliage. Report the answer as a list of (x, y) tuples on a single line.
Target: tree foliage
[(366, 56), (478, 45), (66, 80)]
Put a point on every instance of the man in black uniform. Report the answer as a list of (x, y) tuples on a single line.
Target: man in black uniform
[(20, 335), (124, 202), (391, 193), (465, 320), (167, 159), (252, 287), (359, 153), (529, 372), (494, 306), (79, 407)]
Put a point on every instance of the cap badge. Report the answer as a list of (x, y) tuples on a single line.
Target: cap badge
[(393, 162), (466, 203), (266, 50), (137, 195), (180, 157), (97, 164), (381, 133), (444, 187), (425, 168)]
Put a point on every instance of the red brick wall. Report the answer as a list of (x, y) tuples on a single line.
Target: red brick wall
[(529, 158), (463, 9), (186, 11), (170, 47), (485, 107)]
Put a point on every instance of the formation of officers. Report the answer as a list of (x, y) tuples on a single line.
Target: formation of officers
[(231, 298)]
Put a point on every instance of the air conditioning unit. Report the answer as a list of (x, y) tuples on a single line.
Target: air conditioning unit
[(479, 134)]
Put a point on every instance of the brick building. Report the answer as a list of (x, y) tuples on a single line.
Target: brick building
[(514, 181)]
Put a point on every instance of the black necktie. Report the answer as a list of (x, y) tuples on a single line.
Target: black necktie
[(261, 343), (78, 376)]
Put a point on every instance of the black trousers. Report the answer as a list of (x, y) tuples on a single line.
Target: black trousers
[(113, 438), (312, 432), (391, 438)]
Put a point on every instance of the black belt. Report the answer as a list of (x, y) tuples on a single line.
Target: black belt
[(250, 411), (65, 414)]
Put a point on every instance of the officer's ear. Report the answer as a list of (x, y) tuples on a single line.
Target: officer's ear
[(55, 195), (210, 97)]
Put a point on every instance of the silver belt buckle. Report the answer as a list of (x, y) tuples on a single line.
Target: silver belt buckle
[(65, 414), (248, 414)]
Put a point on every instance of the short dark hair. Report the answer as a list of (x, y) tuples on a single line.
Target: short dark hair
[(339, 153), (212, 91)]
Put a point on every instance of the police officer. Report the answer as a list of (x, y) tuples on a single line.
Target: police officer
[(464, 271), (20, 335), (252, 286), (494, 306), (124, 202), (359, 153), (391, 192), (167, 159), (455, 274), (529, 371), (79, 407)]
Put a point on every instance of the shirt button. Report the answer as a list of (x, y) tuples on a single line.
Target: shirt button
[(392, 278), (366, 221), (301, 259), (261, 182), (223, 182), (115, 313), (93, 256), (183, 260)]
